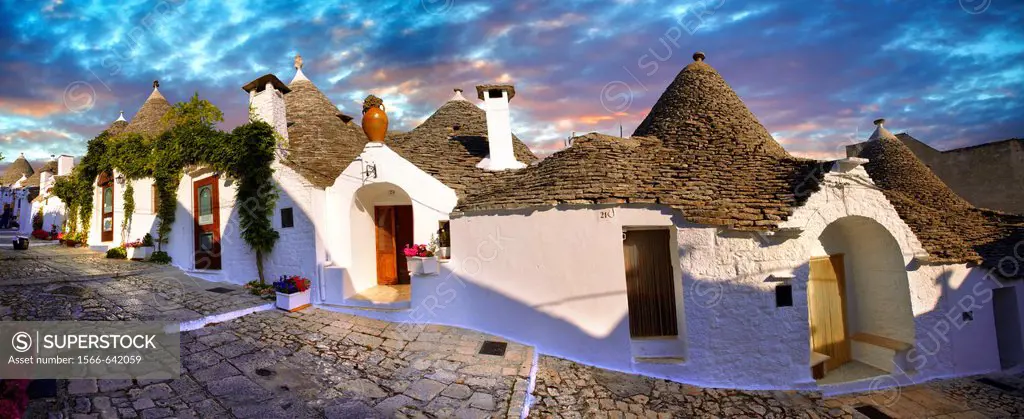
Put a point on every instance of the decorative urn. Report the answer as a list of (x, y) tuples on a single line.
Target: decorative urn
[(375, 121)]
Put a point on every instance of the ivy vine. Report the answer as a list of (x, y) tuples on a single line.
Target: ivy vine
[(190, 139)]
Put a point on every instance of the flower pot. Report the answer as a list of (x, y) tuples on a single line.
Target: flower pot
[(430, 266), (139, 253), (415, 265), (293, 302), (375, 123), (444, 252), (21, 243)]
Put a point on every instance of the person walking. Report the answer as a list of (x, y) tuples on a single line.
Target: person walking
[(5, 218)]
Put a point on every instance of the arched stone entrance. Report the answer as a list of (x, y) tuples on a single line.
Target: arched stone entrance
[(858, 301), (382, 225)]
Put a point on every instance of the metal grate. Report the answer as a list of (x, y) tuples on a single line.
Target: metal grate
[(996, 384), (220, 290), (872, 412), (493, 348)]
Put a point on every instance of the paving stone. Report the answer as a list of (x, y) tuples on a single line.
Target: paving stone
[(390, 405), (351, 410), (107, 386), (157, 413), (362, 388), (141, 404), (458, 391), (85, 386), (482, 401), (424, 389)]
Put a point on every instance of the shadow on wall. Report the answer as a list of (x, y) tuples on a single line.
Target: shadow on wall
[(737, 336)]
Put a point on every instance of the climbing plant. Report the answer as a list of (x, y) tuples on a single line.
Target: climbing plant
[(190, 139)]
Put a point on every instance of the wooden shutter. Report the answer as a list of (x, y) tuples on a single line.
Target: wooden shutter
[(650, 285)]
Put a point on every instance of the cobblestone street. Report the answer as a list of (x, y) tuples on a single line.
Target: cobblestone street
[(318, 363)]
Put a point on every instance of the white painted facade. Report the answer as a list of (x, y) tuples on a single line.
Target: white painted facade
[(350, 259), (553, 278)]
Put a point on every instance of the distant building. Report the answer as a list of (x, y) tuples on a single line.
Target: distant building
[(987, 175)]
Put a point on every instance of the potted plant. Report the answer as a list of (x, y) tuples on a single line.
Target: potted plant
[(140, 249), (444, 244), (420, 259), (292, 293)]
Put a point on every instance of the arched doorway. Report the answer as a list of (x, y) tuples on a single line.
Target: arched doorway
[(858, 300), (382, 225)]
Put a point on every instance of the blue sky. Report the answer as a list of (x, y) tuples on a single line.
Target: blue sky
[(815, 73)]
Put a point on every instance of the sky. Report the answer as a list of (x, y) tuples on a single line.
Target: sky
[(815, 73)]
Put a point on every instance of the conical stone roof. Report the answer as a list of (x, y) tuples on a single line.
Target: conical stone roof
[(321, 141), (712, 161), (451, 142), (18, 167), (951, 229), (700, 113), (147, 121), (33, 181)]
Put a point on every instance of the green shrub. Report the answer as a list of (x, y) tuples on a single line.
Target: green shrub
[(117, 253), (147, 240), (260, 289), (160, 257)]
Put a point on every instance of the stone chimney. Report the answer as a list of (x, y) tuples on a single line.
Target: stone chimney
[(266, 102), (64, 165), (499, 127)]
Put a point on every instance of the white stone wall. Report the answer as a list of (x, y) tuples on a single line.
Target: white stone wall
[(294, 254), (350, 246), (555, 278)]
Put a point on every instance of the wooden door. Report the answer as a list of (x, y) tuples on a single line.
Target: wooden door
[(826, 306), (403, 235), (650, 288), (394, 232), (206, 214), (107, 217)]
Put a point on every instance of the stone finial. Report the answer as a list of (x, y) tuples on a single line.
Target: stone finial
[(458, 95), (879, 121), (298, 62), (156, 83), (698, 56), (121, 117)]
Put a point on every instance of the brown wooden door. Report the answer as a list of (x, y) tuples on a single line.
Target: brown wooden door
[(826, 306), (650, 289), (107, 218), (206, 214), (394, 232)]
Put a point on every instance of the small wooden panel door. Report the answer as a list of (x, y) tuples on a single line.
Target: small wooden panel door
[(650, 289), (387, 250), (403, 236), (393, 231), (107, 217), (826, 306), (206, 214)]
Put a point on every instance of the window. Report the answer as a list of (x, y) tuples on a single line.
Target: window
[(156, 199), (494, 93), (287, 218), (783, 296), (443, 238)]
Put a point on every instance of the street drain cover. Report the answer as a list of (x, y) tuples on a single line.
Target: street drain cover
[(996, 384), (872, 412), (263, 372), (220, 290), (493, 348)]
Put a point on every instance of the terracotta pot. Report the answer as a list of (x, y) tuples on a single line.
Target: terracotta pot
[(375, 123)]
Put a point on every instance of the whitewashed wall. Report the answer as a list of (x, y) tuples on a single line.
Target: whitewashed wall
[(294, 254), (350, 243), (555, 279)]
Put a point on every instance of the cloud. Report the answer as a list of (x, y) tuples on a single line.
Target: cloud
[(815, 74)]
